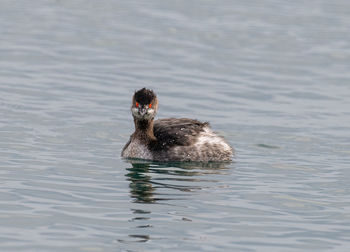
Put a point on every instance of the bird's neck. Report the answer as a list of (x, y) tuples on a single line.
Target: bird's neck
[(144, 129)]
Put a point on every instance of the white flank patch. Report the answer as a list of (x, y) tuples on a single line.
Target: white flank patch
[(209, 137)]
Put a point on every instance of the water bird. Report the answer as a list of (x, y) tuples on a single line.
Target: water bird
[(171, 139)]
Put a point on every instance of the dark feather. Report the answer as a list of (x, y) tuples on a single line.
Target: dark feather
[(173, 131), (144, 96)]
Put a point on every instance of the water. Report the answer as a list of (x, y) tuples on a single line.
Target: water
[(272, 77)]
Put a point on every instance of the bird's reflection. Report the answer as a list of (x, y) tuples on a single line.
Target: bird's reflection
[(143, 186), (160, 183)]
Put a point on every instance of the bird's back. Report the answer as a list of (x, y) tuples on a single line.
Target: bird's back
[(177, 131), (186, 139)]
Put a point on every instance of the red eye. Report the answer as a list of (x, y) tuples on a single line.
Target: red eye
[(137, 104), (150, 105)]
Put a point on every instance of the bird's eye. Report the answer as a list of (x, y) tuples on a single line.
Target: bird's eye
[(137, 104), (150, 105)]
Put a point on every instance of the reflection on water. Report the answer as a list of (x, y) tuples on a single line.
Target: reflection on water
[(153, 182), (143, 187)]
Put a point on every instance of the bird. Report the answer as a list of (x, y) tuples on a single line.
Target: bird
[(171, 139)]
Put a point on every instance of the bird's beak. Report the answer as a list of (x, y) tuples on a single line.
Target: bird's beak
[(142, 110)]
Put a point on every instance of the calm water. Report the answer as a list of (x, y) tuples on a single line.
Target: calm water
[(271, 76)]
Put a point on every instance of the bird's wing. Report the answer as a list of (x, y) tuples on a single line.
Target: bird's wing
[(177, 131)]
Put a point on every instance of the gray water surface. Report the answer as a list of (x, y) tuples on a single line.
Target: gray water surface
[(271, 76)]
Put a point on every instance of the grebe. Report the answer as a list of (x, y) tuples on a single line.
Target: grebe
[(171, 139)]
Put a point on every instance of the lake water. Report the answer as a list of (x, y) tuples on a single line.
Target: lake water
[(271, 76)]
